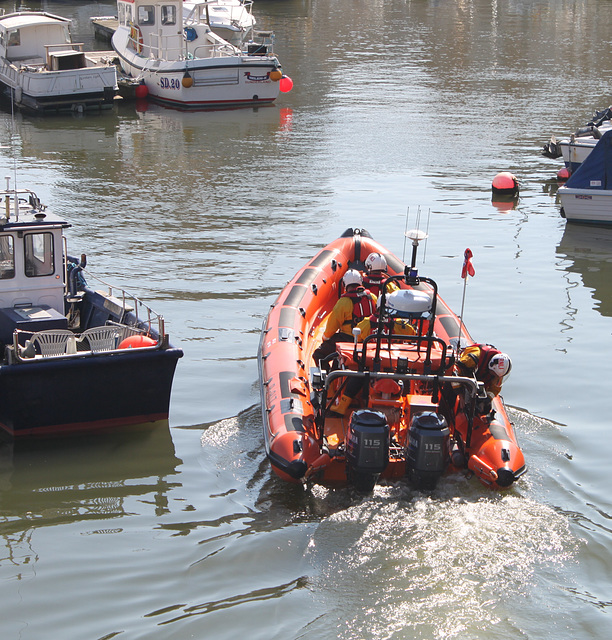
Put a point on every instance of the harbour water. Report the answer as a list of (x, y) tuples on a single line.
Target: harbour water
[(402, 113)]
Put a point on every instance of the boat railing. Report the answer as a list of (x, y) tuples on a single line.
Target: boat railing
[(144, 316), (474, 387), (33, 346), (175, 47), (260, 43)]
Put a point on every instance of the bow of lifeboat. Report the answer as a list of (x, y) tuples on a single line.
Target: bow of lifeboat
[(289, 336)]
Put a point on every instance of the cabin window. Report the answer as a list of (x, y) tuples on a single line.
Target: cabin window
[(146, 15), (125, 13), (7, 258), (39, 259), (14, 38), (168, 14)]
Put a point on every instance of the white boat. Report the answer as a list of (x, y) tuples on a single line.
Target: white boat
[(233, 20), (41, 69), (587, 196), (189, 66), (575, 148)]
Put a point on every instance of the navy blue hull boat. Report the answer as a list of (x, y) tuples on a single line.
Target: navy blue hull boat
[(73, 359)]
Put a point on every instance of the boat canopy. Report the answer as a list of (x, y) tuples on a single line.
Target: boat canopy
[(596, 170)]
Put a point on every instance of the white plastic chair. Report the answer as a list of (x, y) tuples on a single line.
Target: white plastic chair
[(55, 342), (102, 338)]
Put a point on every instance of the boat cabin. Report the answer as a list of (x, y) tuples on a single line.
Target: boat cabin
[(32, 272), (39, 38), (156, 29)]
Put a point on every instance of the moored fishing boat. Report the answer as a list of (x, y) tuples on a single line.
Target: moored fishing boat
[(413, 416), (187, 65), (42, 70), (74, 359)]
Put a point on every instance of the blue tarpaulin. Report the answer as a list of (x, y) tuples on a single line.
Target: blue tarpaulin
[(596, 171)]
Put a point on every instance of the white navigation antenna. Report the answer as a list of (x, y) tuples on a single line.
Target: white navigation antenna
[(415, 235)]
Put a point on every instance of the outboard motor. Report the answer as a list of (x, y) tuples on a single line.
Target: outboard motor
[(428, 449), (367, 448)]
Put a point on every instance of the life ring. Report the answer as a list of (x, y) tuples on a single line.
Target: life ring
[(136, 40)]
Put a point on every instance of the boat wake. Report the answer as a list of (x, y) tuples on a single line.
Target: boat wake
[(456, 562)]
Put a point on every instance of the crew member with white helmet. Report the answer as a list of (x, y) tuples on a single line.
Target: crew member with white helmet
[(488, 365), (376, 274), (355, 304)]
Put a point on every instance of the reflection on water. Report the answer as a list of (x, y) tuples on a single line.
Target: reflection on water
[(62, 482), (588, 250)]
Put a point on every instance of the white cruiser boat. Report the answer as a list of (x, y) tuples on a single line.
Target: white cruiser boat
[(233, 20), (587, 196), (188, 65), (41, 69)]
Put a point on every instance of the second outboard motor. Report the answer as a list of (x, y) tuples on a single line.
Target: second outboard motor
[(367, 448), (428, 449)]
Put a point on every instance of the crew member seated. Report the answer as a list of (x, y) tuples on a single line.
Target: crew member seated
[(401, 307), (376, 274), (355, 304)]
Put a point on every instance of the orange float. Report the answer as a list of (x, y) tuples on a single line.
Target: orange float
[(137, 342), (413, 416)]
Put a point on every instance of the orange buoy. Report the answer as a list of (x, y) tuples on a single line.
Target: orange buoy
[(563, 174), (134, 342), (276, 75), (505, 183), (187, 80), (141, 91)]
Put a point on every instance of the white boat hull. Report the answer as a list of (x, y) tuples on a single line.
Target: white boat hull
[(576, 149), (575, 153), (53, 90), (589, 206), (223, 80), (41, 69)]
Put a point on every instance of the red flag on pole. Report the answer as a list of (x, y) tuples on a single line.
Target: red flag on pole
[(468, 267)]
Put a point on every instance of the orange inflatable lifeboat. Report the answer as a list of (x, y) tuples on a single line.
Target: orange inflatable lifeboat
[(413, 416)]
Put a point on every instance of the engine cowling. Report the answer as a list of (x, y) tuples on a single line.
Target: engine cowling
[(428, 451)]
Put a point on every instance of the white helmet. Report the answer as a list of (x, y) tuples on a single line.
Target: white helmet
[(352, 276), (375, 262), (500, 365)]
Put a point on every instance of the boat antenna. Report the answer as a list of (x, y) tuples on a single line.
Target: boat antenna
[(427, 233), (405, 233), (11, 146), (409, 234)]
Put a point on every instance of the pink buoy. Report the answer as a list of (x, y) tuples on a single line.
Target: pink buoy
[(563, 174), (285, 84), (141, 91), (505, 183)]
